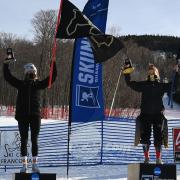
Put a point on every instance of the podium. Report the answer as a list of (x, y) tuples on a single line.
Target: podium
[(143, 171), (34, 176)]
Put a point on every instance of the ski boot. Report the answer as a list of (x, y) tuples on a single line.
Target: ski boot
[(159, 161), (24, 169), (35, 168), (158, 154), (146, 160)]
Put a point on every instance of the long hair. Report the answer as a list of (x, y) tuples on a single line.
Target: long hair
[(156, 71)]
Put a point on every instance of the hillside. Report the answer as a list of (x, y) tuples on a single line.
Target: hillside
[(141, 49)]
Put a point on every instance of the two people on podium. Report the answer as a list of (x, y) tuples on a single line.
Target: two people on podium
[(27, 107), (151, 108)]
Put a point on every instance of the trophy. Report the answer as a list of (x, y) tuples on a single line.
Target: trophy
[(10, 55), (128, 63), (128, 68)]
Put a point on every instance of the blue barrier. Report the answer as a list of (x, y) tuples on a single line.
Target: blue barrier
[(107, 142)]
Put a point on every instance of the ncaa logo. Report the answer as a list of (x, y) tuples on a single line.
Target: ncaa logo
[(157, 171), (87, 96), (35, 176), (178, 139)]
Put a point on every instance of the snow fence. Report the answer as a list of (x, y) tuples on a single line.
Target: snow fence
[(107, 142)]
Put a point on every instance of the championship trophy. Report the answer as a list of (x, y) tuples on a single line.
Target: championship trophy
[(128, 68), (10, 55)]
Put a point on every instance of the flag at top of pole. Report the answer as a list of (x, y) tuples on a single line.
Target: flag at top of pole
[(74, 24)]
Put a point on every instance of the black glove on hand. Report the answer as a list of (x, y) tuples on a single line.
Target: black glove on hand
[(10, 56), (128, 69)]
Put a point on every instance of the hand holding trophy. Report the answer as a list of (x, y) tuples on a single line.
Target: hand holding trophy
[(10, 56), (128, 68)]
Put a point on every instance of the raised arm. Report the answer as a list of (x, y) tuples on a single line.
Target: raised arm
[(44, 83), (9, 77), (137, 86)]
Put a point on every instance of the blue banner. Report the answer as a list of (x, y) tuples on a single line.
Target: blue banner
[(87, 102)]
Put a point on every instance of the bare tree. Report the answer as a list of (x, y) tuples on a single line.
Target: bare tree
[(39, 53), (114, 30), (44, 23), (7, 40)]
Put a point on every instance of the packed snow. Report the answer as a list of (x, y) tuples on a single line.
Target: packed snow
[(84, 172)]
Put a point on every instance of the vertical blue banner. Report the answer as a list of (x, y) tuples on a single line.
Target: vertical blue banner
[(87, 102)]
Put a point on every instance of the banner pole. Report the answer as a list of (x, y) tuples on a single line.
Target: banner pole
[(54, 46), (115, 94)]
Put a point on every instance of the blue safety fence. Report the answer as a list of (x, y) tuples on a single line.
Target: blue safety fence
[(107, 142)]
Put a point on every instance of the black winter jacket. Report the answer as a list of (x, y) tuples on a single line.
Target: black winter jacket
[(176, 95), (152, 93), (28, 97)]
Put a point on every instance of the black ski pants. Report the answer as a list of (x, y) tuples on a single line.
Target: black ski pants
[(147, 122), (34, 122)]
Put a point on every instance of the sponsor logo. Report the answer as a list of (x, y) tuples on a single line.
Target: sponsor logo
[(178, 139), (35, 176), (157, 171), (10, 148), (88, 71), (87, 96)]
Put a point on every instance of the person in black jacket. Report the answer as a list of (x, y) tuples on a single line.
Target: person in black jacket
[(152, 108), (176, 94), (28, 108)]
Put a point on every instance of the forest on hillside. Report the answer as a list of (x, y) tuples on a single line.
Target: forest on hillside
[(142, 50)]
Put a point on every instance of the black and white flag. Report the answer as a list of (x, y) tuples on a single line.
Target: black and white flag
[(74, 24)]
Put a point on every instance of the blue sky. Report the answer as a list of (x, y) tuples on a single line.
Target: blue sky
[(127, 16)]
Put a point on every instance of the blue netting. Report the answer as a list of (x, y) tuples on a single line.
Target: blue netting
[(110, 142)]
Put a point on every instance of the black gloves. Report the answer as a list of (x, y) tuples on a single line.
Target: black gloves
[(10, 56), (127, 69)]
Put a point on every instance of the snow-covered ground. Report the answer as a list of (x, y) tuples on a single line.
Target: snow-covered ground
[(171, 113), (89, 172), (95, 172)]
